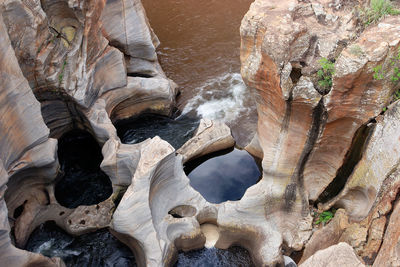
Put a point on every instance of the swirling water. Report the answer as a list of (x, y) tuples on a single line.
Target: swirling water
[(199, 50), (97, 249)]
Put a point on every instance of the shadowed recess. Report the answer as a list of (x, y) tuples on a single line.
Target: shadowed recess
[(353, 156), (176, 132), (224, 175), (96, 249), (83, 182), (234, 256)]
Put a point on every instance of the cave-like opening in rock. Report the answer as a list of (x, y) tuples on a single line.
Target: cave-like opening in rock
[(82, 182), (223, 175), (233, 256), (95, 249), (139, 128)]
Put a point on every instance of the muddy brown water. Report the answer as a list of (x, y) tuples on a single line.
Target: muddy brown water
[(199, 50)]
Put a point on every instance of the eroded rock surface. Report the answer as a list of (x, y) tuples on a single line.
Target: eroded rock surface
[(312, 136), (341, 254)]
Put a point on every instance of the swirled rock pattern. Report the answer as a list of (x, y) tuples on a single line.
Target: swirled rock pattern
[(312, 137), (92, 63)]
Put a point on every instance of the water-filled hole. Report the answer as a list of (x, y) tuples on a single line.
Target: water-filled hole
[(234, 256), (223, 175), (95, 249), (83, 182), (183, 211), (139, 128)]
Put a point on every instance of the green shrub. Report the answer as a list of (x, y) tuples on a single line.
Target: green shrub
[(377, 10), (325, 74), (378, 73), (325, 216)]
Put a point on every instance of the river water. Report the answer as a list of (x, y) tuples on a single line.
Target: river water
[(199, 50)]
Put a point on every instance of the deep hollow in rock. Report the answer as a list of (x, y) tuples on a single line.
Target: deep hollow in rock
[(139, 128), (234, 256), (182, 211), (224, 175), (353, 156), (83, 182), (95, 249)]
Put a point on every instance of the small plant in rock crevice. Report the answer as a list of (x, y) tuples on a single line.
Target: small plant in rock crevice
[(394, 67), (325, 74), (377, 10), (325, 216)]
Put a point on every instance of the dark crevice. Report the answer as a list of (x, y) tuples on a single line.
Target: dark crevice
[(175, 215), (295, 75), (319, 117), (82, 182), (141, 75), (19, 210), (353, 156)]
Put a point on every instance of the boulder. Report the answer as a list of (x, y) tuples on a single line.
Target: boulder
[(210, 136), (341, 254)]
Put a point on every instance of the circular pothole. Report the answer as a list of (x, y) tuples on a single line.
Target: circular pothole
[(83, 182), (224, 175)]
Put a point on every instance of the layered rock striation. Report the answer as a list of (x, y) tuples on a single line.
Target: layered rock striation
[(330, 145)]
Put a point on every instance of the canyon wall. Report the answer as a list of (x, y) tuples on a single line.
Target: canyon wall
[(327, 145)]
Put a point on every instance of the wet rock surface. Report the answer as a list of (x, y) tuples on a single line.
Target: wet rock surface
[(83, 182), (100, 248)]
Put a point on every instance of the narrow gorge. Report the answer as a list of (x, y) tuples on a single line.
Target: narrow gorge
[(199, 133)]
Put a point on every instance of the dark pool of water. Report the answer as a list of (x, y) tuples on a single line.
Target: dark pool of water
[(176, 132), (224, 175), (83, 182), (90, 250), (234, 256)]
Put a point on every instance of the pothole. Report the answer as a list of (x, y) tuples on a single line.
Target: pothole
[(95, 249), (83, 182), (176, 132), (234, 256), (223, 175), (183, 211)]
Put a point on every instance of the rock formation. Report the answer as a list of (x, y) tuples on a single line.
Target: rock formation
[(324, 144), (69, 65)]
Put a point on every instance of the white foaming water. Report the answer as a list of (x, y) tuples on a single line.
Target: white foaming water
[(221, 98)]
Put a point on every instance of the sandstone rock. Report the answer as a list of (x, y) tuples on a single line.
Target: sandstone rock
[(356, 97), (210, 136), (389, 254), (21, 121), (10, 255), (303, 129), (153, 233), (338, 255), (125, 25), (154, 95), (326, 236), (380, 159)]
